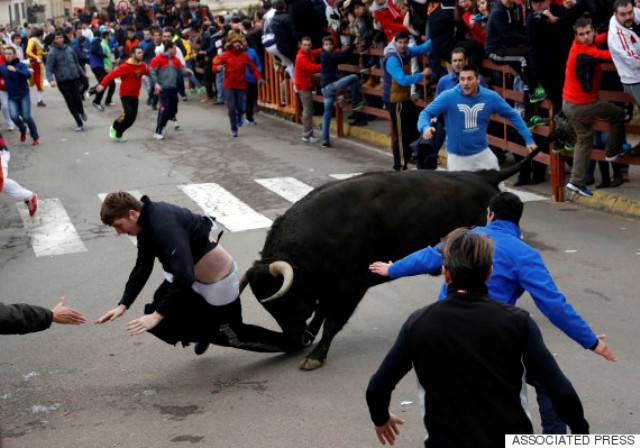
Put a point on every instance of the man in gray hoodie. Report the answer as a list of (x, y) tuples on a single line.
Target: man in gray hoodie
[(65, 72)]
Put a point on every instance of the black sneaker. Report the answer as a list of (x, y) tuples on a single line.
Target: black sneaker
[(326, 145), (98, 106), (612, 157), (200, 347)]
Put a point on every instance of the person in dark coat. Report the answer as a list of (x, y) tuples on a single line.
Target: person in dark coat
[(22, 318)]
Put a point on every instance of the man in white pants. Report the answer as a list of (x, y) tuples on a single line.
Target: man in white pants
[(10, 186)]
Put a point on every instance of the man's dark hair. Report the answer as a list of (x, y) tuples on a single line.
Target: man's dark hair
[(168, 29), (506, 207), (327, 38), (307, 38), (38, 32), (460, 50), (618, 3), (279, 5), (58, 33), (470, 68), (133, 50), (582, 22), (169, 45), (468, 256), (105, 34), (401, 35), (246, 23)]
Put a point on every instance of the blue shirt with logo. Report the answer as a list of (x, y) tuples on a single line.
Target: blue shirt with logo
[(467, 117)]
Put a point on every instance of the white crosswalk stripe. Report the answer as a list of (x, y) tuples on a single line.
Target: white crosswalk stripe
[(344, 176), (525, 196), (230, 211), (289, 188), (51, 230)]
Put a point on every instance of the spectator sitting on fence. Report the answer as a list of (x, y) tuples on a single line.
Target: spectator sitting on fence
[(467, 12), (332, 86), (507, 45), (282, 28), (467, 109), (582, 104), (305, 72), (396, 94)]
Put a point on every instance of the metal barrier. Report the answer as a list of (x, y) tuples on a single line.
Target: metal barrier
[(270, 97)]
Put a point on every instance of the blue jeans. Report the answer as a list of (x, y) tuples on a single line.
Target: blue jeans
[(551, 422), (191, 65), (219, 79), (329, 93), (20, 111)]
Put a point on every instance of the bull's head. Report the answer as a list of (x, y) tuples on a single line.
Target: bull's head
[(274, 288)]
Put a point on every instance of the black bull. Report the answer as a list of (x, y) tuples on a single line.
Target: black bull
[(330, 237)]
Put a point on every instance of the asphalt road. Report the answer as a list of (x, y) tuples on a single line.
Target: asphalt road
[(96, 386)]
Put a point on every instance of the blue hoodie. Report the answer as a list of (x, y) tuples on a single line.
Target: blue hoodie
[(517, 268), (467, 118), (253, 55), (17, 82)]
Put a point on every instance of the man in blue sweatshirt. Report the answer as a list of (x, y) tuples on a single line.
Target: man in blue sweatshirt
[(467, 109), (517, 268)]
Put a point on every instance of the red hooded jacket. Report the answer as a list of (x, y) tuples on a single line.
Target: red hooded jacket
[(304, 70), (130, 73), (584, 71), (235, 68)]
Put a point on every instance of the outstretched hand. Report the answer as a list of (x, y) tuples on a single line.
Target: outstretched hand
[(389, 431), (65, 315), (380, 268), (112, 315), (604, 350), (145, 323)]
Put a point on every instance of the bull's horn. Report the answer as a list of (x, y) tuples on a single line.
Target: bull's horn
[(244, 281), (281, 268)]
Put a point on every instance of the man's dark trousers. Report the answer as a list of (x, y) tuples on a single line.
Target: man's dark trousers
[(128, 115), (168, 107), (100, 73), (70, 91)]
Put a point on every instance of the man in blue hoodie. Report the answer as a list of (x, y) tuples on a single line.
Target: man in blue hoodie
[(517, 268), (467, 109)]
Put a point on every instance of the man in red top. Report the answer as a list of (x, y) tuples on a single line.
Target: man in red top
[(582, 105), (304, 80), (132, 40), (130, 74), (235, 61), (386, 14)]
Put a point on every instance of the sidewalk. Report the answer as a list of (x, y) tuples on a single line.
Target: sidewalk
[(624, 200)]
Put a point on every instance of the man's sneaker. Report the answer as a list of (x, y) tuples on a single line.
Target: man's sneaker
[(84, 116), (310, 139), (158, 136), (360, 105), (582, 191), (536, 121), (240, 121), (41, 104), (415, 96), (538, 95), (200, 347), (206, 100), (32, 204), (339, 98), (612, 157), (234, 134), (326, 145), (201, 91), (35, 142), (154, 107), (176, 125), (112, 133), (11, 128), (184, 97), (109, 103), (569, 147), (252, 122), (192, 91), (98, 106), (79, 129), (122, 138), (23, 137)]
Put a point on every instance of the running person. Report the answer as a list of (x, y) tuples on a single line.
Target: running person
[(130, 74), (10, 186), (35, 53), (200, 299)]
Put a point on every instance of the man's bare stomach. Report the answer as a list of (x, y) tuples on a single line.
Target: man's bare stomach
[(213, 266)]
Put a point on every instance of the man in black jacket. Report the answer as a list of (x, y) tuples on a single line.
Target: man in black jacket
[(22, 318), (470, 353), (200, 299)]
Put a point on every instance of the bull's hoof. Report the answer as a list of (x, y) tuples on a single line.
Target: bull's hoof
[(310, 364)]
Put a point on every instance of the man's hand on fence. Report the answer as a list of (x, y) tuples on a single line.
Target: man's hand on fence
[(428, 133), (531, 147), (426, 72)]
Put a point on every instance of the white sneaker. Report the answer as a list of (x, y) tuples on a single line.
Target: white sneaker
[(158, 136), (310, 139), (176, 126)]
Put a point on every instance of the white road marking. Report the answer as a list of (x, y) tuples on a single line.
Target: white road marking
[(344, 176), (526, 196), (289, 188), (230, 211), (134, 193), (51, 230)]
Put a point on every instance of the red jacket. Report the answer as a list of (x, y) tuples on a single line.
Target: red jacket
[(304, 70), (3, 86), (130, 73), (129, 44), (390, 20), (583, 73), (235, 68)]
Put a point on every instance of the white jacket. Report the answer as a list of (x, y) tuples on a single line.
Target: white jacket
[(624, 45)]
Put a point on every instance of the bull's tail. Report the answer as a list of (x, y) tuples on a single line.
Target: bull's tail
[(495, 177)]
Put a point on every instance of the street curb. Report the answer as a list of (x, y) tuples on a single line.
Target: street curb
[(359, 133), (608, 202)]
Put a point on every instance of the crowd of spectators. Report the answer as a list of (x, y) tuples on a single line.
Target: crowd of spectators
[(534, 37)]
